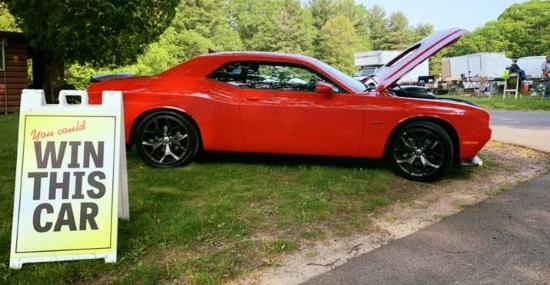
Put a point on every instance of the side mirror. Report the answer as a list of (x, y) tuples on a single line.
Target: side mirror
[(324, 89)]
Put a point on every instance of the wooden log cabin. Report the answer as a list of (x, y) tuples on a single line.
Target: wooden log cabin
[(13, 70)]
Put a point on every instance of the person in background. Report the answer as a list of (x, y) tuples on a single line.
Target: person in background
[(546, 75), (514, 68), (518, 73), (505, 74)]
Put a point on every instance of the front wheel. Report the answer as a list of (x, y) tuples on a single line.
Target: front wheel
[(166, 139), (421, 151)]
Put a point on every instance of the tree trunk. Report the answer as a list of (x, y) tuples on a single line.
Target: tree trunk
[(48, 72)]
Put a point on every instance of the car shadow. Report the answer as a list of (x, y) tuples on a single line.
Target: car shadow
[(288, 160)]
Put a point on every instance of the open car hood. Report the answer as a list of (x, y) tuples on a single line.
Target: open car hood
[(392, 71)]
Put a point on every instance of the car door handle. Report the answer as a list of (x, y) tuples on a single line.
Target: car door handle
[(253, 99)]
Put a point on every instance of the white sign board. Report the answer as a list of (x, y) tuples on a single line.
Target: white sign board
[(71, 181)]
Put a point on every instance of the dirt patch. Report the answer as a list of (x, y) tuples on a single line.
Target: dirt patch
[(432, 203)]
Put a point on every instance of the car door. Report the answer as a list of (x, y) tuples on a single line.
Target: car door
[(282, 113)]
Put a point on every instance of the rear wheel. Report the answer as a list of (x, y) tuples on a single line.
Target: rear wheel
[(421, 151), (166, 139)]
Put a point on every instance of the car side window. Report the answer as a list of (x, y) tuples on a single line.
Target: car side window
[(276, 76), (233, 73), (270, 76)]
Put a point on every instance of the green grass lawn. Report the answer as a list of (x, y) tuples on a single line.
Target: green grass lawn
[(216, 218), (219, 217), (496, 102)]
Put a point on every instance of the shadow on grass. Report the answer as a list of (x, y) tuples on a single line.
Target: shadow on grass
[(286, 160), (289, 160)]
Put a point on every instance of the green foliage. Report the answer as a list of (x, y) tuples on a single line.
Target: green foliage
[(377, 26), (399, 35), (121, 33), (197, 27), (79, 74), (338, 43), (204, 19), (493, 37), (423, 30), (294, 31), (496, 102), (7, 21), (529, 27), (358, 16), (94, 31), (322, 11), (254, 21), (521, 30), (435, 64), (159, 56)]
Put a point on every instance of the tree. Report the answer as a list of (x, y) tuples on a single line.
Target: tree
[(422, 30), (322, 11), (197, 27), (377, 26), (399, 35), (493, 37), (528, 27), (254, 21), (519, 31), (99, 32), (357, 15), (294, 31), (173, 47), (338, 43), (7, 21), (206, 19), (359, 18)]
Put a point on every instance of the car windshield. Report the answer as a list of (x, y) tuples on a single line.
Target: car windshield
[(351, 82)]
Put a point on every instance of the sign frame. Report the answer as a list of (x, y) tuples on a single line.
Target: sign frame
[(71, 181)]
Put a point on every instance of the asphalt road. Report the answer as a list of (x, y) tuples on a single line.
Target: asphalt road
[(531, 129), (503, 240)]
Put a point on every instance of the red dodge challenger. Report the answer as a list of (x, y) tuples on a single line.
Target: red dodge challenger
[(293, 104)]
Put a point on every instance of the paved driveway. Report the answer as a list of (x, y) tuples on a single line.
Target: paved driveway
[(531, 129)]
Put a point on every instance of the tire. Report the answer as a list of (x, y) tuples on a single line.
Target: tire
[(166, 139), (421, 151)]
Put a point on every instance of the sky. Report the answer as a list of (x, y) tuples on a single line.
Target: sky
[(466, 14)]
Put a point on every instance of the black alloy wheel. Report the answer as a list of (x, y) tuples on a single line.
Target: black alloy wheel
[(421, 151), (166, 139)]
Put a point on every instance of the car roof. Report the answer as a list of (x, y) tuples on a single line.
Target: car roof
[(256, 56), (203, 64)]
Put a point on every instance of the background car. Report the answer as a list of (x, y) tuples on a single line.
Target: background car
[(223, 102)]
